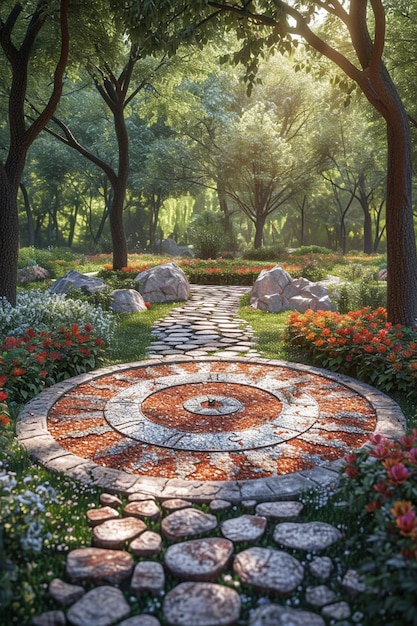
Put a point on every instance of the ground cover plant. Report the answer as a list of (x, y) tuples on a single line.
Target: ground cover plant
[(375, 507)]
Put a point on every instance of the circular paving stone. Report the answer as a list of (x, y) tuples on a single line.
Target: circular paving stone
[(269, 570), (201, 604), (114, 533), (199, 559), (147, 544), (133, 425), (99, 607), (142, 509), (312, 536), (244, 528), (279, 510), (98, 566), (187, 522), (275, 615), (103, 514)]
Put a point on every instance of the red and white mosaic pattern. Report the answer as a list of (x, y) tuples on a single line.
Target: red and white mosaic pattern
[(155, 420)]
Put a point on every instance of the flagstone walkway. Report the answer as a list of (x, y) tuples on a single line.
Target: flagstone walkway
[(197, 421)]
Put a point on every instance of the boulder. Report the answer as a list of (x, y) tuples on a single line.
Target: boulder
[(274, 291), (78, 281), (169, 246), (127, 301), (163, 283), (31, 273)]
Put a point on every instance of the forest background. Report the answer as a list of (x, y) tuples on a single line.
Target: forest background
[(179, 144)]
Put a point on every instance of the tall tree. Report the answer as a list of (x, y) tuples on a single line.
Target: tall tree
[(20, 29), (365, 26), (265, 25)]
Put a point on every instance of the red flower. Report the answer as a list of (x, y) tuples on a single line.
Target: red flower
[(18, 371), (3, 396), (373, 505), (351, 471), (4, 419), (148, 305), (3, 380), (88, 328)]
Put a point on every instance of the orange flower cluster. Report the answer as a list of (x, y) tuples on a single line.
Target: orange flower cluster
[(37, 359), (389, 470), (360, 343)]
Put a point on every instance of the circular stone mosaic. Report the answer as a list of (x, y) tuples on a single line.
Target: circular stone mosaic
[(212, 420)]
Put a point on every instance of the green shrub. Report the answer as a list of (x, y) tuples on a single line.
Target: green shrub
[(58, 261), (312, 250), (266, 253), (367, 292), (207, 235)]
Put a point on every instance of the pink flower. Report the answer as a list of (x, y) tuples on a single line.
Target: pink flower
[(407, 523), (398, 473)]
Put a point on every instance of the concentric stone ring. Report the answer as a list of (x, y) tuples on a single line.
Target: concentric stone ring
[(144, 426)]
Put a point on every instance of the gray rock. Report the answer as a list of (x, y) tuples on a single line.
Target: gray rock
[(99, 566), (312, 536), (147, 544), (141, 620), (114, 533), (99, 607), (64, 593), (269, 570), (169, 246), (244, 528), (280, 511), (352, 583), (78, 281), (50, 618), (127, 301), (163, 283), (31, 273), (338, 610), (321, 567), (320, 596), (199, 559), (187, 522), (274, 291), (148, 577), (201, 604), (276, 615)]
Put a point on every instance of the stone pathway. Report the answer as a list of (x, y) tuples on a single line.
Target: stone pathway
[(207, 324), (199, 568), (157, 558)]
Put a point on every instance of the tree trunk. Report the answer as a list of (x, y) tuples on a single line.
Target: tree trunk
[(259, 231), (367, 221), (118, 237), (29, 215), (9, 236)]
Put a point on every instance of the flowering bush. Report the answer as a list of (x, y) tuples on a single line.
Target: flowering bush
[(381, 489), (361, 344), (37, 359), (48, 311)]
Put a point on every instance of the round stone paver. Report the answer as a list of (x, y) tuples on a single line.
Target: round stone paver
[(103, 514), (113, 534), (312, 536), (199, 559), (147, 544), (276, 615), (99, 566), (279, 511), (269, 570), (201, 604), (143, 509), (99, 607), (244, 528), (148, 577), (187, 522)]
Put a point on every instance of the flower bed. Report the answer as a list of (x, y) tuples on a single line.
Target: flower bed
[(35, 360), (361, 344), (382, 491)]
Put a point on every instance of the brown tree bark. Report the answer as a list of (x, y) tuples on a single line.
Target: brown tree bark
[(21, 138)]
